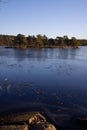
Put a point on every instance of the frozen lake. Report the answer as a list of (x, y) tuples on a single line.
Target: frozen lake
[(49, 78)]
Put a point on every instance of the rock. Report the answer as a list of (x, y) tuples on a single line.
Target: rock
[(29, 117), (27, 121), (43, 126), (36, 118), (49, 126), (14, 127)]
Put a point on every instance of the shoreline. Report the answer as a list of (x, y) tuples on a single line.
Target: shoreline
[(58, 119), (62, 47)]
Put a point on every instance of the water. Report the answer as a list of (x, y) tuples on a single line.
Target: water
[(51, 79)]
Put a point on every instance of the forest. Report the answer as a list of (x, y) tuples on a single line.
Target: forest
[(40, 41)]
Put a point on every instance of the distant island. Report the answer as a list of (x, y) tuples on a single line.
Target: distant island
[(39, 41)]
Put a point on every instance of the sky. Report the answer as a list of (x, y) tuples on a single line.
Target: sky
[(50, 17)]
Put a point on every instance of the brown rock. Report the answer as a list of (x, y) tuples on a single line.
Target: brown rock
[(36, 118), (43, 126), (27, 121), (14, 127)]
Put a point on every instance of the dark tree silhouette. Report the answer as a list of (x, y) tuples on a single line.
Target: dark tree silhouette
[(21, 41)]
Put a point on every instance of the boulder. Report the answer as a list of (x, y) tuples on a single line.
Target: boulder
[(43, 126), (27, 121), (14, 127), (36, 118)]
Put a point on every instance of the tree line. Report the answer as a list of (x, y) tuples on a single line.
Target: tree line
[(39, 41)]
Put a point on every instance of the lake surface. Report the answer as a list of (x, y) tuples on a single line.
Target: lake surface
[(51, 79)]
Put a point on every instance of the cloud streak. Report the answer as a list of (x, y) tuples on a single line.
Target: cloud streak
[(3, 1)]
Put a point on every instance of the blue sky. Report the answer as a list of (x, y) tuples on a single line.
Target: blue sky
[(50, 17)]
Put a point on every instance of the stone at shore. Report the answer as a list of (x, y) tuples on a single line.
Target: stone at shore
[(14, 127), (43, 126), (27, 121)]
